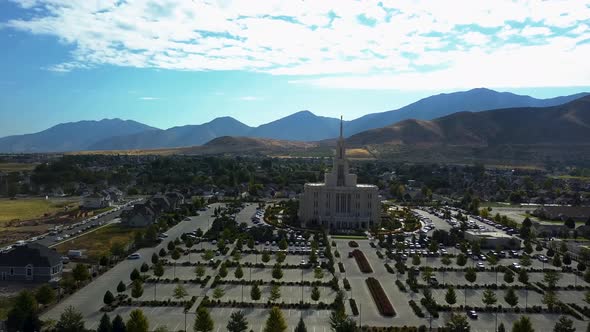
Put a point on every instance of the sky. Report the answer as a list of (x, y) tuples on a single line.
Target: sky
[(167, 63)]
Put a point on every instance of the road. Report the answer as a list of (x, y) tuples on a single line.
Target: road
[(88, 300)]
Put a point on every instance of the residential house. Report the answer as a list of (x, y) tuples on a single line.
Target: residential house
[(140, 215), (577, 213), (96, 200), (30, 262)]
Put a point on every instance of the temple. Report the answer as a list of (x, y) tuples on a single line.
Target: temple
[(339, 203)]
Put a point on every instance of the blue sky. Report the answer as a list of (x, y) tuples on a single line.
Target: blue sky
[(176, 62)]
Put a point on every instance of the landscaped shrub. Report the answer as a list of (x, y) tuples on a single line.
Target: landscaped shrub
[(346, 284), (362, 261), (416, 308), (380, 298), (341, 267), (389, 268), (353, 244), (401, 286), (353, 308)]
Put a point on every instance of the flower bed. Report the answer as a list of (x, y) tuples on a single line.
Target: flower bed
[(380, 298), (362, 261)]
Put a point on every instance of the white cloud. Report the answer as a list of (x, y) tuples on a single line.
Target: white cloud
[(323, 38), (149, 98)]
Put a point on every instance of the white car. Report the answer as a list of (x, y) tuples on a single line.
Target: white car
[(134, 256)]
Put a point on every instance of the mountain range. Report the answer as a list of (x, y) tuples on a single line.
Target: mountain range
[(116, 134)]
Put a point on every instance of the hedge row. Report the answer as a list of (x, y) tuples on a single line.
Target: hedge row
[(389, 268), (353, 307), (380, 298), (416, 308), (341, 267), (401, 286), (346, 284)]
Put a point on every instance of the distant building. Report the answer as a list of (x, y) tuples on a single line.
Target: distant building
[(577, 213), (340, 203), (96, 200), (140, 215), (493, 240), (30, 262)]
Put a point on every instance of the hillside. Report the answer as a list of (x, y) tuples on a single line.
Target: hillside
[(71, 136)]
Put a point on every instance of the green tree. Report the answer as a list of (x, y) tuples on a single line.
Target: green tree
[(121, 287), (255, 293), (80, 273), (567, 259), (489, 297), (180, 292), (277, 271), (523, 276), (525, 260), (119, 324), (550, 299), (175, 255), (556, 261), (144, 267), (45, 294), (508, 276), (137, 322), (250, 243), (108, 298), (134, 275), (564, 324), (223, 270), (450, 296), (23, 316), (218, 293), (239, 273), (275, 322), (313, 257), (470, 275), (265, 257), (237, 322), (280, 256), (416, 260), (551, 278), (318, 273), (105, 324), (203, 321), (275, 293), (162, 252), (511, 297), (70, 320), (315, 293), (461, 260), (200, 271), (283, 245), (523, 324), (137, 288), (155, 258), (301, 326), (457, 323)]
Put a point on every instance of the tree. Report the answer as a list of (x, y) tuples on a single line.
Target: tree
[(24, 316), (134, 275), (427, 273), (155, 258), (301, 326), (203, 321), (250, 243), (549, 299), (280, 256), (104, 261), (45, 294), (265, 257), (223, 270), (218, 293), (170, 246), (175, 255), (450, 296), (277, 271), (461, 260), (162, 252), (121, 287), (501, 328), (105, 324), (550, 252), (137, 288), (180, 292), (570, 223), (119, 324), (318, 273), (511, 297), (523, 324), (80, 273), (237, 322), (525, 260), (457, 323), (523, 276), (144, 267), (239, 273), (489, 297), (283, 245), (551, 278), (416, 260), (71, 320), (275, 322), (137, 322), (255, 293), (313, 257), (315, 293), (159, 270), (470, 275), (508, 276), (200, 271), (567, 260), (108, 298), (275, 293), (556, 261), (564, 324)]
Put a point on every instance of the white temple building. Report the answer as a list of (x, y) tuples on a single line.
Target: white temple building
[(339, 202)]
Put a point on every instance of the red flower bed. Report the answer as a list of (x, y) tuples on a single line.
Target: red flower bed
[(362, 261), (380, 298)]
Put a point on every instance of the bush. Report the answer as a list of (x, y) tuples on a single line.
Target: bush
[(389, 268), (380, 298), (362, 261), (416, 308), (346, 284), (353, 244), (341, 267), (401, 286), (353, 307)]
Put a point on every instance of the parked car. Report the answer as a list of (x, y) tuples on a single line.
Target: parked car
[(135, 255), (472, 314)]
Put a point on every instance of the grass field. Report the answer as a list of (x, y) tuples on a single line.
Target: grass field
[(99, 242), (17, 167), (31, 208)]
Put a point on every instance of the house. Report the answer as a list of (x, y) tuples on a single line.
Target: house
[(140, 215), (493, 240), (97, 200), (30, 262), (115, 194), (577, 213), (162, 203), (175, 199)]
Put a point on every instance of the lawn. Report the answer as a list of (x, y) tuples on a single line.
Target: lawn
[(99, 242), (17, 167), (31, 208)]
